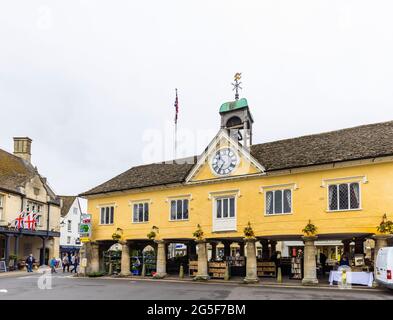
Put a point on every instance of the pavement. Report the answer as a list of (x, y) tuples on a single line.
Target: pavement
[(33, 286)]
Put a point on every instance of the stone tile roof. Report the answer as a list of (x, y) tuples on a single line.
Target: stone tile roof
[(67, 203), (363, 142), (16, 172)]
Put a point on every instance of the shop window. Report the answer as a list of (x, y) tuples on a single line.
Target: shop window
[(107, 215), (141, 212), (278, 201), (344, 196), (179, 209)]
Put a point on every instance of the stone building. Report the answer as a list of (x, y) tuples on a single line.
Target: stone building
[(341, 181), (23, 189)]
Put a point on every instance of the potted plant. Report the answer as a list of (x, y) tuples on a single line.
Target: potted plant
[(198, 234), (310, 229), (153, 233), (249, 232), (386, 226), (117, 235)]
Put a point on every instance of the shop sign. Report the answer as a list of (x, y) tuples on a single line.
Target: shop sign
[(86, 218), (85, 227), (85, 239)]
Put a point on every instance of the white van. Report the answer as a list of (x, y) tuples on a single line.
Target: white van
[(384, 267)]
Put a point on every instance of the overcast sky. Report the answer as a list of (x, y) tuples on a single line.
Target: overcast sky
[(90, 81)]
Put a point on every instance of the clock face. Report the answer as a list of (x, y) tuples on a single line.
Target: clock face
[(224, 161)]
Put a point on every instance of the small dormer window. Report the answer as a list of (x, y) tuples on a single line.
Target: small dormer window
[(36, 191)]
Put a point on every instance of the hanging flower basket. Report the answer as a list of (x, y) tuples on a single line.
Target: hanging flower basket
[(116, 236), (249, 232), (310, 229), (153, 233), (386, 226), (198, 234)]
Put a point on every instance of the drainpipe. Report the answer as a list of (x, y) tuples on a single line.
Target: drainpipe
[(47, 221)]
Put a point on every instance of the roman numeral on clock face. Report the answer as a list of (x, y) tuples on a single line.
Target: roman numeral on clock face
[(224, 161)]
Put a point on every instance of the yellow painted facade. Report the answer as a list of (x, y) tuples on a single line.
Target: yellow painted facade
[(309, 202)]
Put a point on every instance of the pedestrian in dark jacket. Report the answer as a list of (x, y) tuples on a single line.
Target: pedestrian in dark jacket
[(66, 263), (29, 262), (75, 263)]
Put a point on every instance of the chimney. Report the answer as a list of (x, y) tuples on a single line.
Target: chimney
[(22, 148)]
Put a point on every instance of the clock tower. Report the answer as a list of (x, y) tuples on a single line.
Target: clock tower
[(236, 117)]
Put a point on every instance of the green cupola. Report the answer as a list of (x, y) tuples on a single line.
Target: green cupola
[(234, 105), (236, 118)]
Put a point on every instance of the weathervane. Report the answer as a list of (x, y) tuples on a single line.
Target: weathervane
[(236, 85)]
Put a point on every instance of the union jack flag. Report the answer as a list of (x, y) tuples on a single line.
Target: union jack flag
[(176, 108), (19, 221)]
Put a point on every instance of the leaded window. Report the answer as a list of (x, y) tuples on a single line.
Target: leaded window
[(344, 196), (278, 201)]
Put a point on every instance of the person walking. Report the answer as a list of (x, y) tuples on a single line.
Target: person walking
[(53, 263), (75, 263), (66, 263), (29, 262)]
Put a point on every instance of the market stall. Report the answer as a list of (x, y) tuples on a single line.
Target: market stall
[(360, 278)]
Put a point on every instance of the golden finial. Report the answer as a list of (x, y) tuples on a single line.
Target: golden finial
[(236, 85)]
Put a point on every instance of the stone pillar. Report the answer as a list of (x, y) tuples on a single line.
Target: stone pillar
[(7, 249), (83, 260), (381, 241), (310, 264), (161, 260), (125, 259), (167, 251), (42, 258), (16, 250), (251, 262), (214, 251), (202, 261), (265, 249), (359, 246), (93, 257)]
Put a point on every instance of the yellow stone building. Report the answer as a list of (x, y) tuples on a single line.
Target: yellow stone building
[(341, 181)]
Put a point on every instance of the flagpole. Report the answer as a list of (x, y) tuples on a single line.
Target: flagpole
[(176, 115)]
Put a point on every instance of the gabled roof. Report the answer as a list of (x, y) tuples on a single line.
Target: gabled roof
[(67, 203), (363, 142), (16, 172)]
